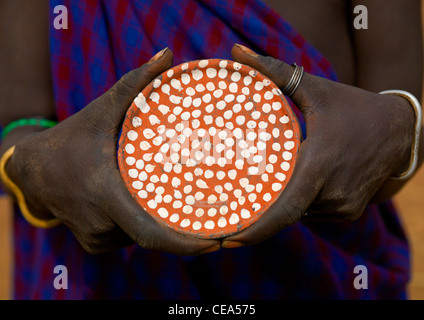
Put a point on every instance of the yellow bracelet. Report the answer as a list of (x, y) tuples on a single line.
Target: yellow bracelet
[(20, 196)]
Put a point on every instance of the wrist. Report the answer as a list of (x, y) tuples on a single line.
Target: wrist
[(408, 126), (15, 178)]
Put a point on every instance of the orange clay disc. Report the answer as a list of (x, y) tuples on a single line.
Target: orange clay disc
[(208, 146)]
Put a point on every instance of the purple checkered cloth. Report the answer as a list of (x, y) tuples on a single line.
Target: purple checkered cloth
[(106, 39)]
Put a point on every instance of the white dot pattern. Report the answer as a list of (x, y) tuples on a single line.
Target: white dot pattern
[(211, 147)]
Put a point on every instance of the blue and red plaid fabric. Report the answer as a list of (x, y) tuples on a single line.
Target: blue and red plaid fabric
[(107, 38)]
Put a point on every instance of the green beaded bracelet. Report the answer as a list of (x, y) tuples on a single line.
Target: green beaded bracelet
[(27, 122)]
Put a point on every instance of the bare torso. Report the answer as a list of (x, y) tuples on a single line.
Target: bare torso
[(326, 24)]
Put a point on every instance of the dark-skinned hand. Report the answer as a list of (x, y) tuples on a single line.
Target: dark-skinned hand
[(355, 140), (70, 171)]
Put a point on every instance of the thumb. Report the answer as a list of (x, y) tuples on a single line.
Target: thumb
[(310, 87), (114, 104)]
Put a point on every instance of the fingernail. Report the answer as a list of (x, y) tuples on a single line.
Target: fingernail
[(232, 244), (157, 56), (212, 249), (247, 50)]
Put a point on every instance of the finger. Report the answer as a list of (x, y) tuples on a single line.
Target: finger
[(150, 234), (310, 88), (301, 190), (114, 103)]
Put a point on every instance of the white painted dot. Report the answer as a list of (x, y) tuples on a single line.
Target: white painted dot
[(257, 98), (186, 102), (199, 212), (208, 120), (156, 83), (247, 80), (142, 176), (272, 118), (212, 199), (172, 118), (190, 91), (175, 99), (266, 107), (129, 148), (245, 214), (285, 166), (203, 63), (201, 184), (256, 207), (187, 209), (212, 212), (219, 122), (185, 223), (137, 185), (218, 93), (240, 120), (267, 197), (222, 85), (163, 109), (276, 146), (280, 176), (222, 73), (207, 98), (157, 141), (287, 155), (144, 145), (223, 63), (256, 115), (174, 218), (142, 194), (211, 73), (163, 213), (232, 174), (253, 170), (158, 157), (209, 224), (176, 84), (197, 225), (177, 204), (248, 106), (284, 120), (210, 85), (289, 145), (152, 204), (273, 158), (150, 187), (222, 222), (197, 102), (132, 135), (197, 74), (234, 219), (269, 168), (259, 85), (239, 163), (136, 122), (236, 76), (276, 186), (130, 161), (276, 105), (154, 96)]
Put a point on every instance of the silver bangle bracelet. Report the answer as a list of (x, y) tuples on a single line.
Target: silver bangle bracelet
[(417, 131)]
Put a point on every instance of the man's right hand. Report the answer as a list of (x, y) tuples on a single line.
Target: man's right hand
[(70, 172)]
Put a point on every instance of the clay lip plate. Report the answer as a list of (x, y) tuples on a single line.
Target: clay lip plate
[(208, 146)]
